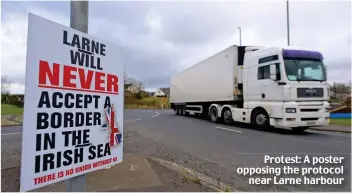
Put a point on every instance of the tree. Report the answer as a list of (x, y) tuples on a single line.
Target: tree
[(341, 88), (5, 85), (133, 85), (5, 89)]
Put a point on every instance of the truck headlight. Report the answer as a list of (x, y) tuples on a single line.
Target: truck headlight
[(290, 110)]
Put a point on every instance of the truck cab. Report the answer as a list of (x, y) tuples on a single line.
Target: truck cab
[(286, 87)]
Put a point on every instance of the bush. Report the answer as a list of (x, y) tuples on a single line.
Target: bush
[(5, 98), (16, 100), (144, 94), (128, 94), (347, 102), (139, 95), (130, 100), (147, 102)]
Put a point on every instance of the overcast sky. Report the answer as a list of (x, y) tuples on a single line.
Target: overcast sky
[(159, 39)]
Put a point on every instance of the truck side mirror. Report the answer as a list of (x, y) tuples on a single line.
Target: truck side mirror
[(326, 71), (273, 72)]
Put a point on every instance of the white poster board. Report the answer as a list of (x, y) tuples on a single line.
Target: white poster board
[(73, 110)]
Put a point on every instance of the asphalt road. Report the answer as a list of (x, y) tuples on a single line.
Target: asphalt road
[(11, 138), (214, 149)]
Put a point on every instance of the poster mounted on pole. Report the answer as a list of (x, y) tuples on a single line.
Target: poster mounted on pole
[(73, 110)]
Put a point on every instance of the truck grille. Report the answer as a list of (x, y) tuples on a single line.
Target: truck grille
[(309, 119), (310, 92), (309, 110)]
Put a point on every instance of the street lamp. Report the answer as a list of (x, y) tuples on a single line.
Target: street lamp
[(288, 23), (240, 34)]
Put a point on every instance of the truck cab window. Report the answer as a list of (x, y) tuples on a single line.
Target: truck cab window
[(304, 69), (278, 74), (268, 59), (264, 72)]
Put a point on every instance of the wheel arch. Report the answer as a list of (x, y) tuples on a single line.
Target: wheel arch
[(217, 106), (224, 107), (259, 108)]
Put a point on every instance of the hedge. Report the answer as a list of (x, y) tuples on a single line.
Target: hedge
[(14, 99)]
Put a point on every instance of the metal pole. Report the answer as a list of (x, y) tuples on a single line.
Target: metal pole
[(240, 35), (288, 23), (79, 15), (78, 21)]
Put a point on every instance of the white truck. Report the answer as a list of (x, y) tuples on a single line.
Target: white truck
[(279, 87)]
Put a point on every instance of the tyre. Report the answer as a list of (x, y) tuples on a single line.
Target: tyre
[(260, 119), (182, 111), (299, 129), (213, 114), (185, 113), (227, 116), (177, 110)]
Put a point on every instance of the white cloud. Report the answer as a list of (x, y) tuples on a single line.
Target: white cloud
[(17, 88), (14, 43), (154, 21), (158, 39)]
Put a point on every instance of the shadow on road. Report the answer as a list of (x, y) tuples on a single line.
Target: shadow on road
[(282, 131), (277, 130)]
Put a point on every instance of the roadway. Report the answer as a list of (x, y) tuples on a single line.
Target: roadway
[(214, 149)]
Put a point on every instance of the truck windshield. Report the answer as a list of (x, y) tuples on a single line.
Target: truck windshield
[(304, 69)]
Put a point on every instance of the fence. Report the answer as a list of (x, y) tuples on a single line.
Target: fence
[(340, 115)]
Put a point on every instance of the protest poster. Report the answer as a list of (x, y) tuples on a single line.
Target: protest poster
[(73, 110)]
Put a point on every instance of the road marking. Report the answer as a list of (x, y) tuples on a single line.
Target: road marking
[(134, 119), (157, 114), (134, 167), (228, 129), (11, 133)]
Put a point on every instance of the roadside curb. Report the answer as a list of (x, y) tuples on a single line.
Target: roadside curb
[(12, 125), (331, 130), (204, 180)]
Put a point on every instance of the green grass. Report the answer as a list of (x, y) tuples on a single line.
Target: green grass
[(156, 99), (151, 99), (334, 101), (7, 109), (228, 189), (345, 122)]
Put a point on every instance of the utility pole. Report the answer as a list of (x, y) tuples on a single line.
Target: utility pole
[(79, 15), (288, 23), (240, 35), (78, 21)]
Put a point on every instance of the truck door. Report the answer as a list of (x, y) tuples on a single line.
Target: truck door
[(270, 90)]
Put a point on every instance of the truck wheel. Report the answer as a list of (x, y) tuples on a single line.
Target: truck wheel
[(227, 116), (181, 111), (260, 119), (185, 113), (177, 110), (213, 114)]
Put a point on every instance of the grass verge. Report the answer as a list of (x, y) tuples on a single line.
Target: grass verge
[(7, 109), (344, 122)]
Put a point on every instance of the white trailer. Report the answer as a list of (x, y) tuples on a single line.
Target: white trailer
[(262, 86)]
